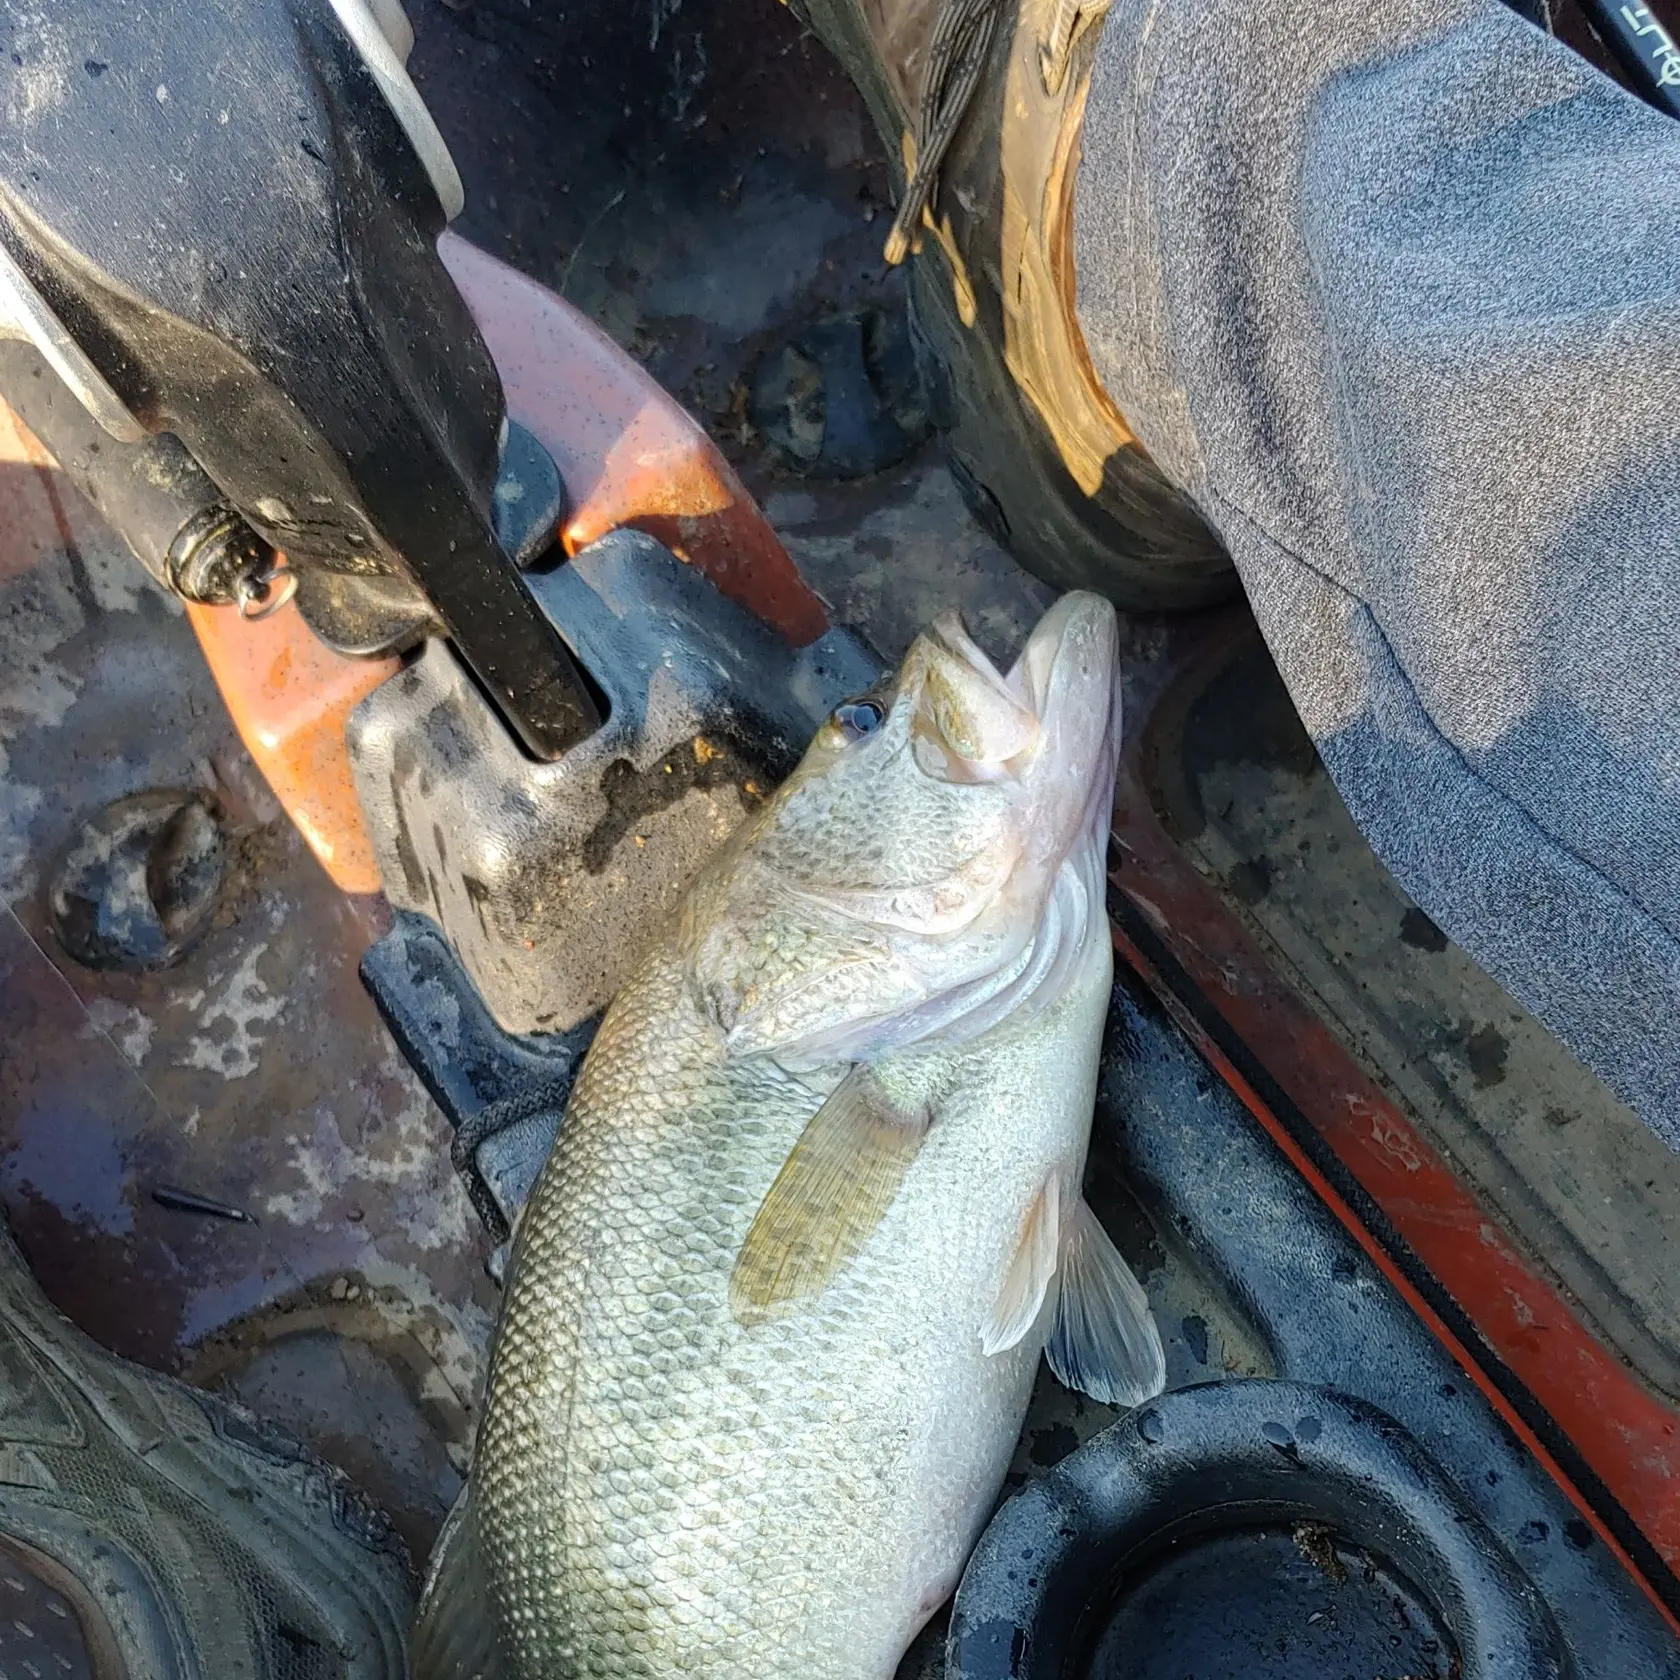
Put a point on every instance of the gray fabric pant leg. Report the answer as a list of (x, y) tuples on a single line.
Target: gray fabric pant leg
[(1393, 291)]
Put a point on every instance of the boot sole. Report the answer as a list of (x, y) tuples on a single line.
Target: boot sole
[(206, 1541), (1140, 541)]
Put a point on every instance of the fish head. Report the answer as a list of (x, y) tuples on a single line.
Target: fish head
[(917, 873)]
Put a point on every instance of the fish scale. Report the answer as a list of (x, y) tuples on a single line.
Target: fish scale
[(665, 1485), (731, 1498)]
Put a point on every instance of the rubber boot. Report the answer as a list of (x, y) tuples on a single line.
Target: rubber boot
[(980, 104)]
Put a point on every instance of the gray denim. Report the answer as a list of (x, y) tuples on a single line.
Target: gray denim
[(1393, 290)]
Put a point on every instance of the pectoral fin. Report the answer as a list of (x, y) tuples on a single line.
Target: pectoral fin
[(1104, 1342), (831, 1193), (1031, 1272)]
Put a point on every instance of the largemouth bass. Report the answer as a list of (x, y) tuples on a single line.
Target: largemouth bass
[(777, 1301)]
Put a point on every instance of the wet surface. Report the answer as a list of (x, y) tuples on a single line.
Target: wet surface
[(1293, 1603), (140, 881), (700, 216), (253, 1071), (702, 181), (697, 177), (1591, 1192)]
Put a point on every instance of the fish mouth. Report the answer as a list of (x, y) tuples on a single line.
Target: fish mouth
[(1071, 660), (1069, 673), (1052, 718), (1003, 918)]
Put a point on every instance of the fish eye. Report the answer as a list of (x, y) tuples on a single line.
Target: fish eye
[(857, 718)]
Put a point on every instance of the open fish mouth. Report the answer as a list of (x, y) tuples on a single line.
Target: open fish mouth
[(1051, 723), (1069, 674), (1041, 739), (936, 862)]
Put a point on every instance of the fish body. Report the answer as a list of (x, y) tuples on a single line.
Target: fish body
[(778, 1299)]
